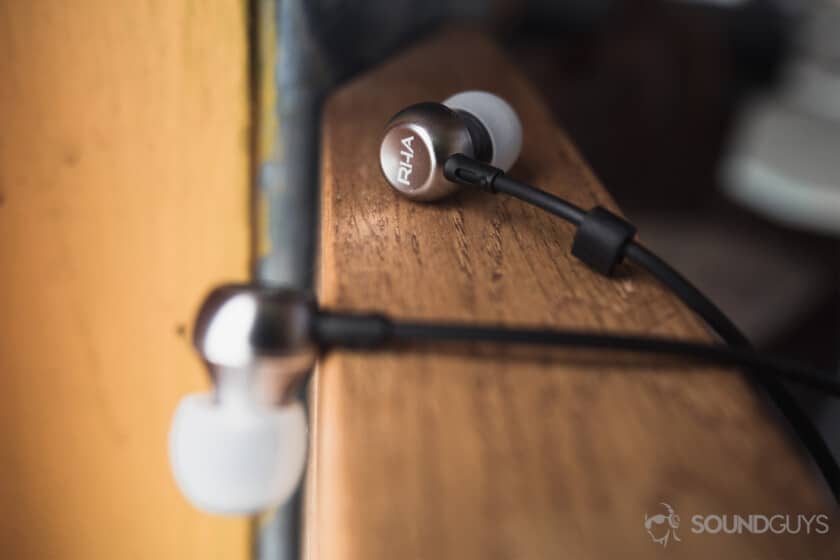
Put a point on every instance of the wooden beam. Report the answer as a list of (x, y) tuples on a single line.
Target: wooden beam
[(124, 195), (431, 454)]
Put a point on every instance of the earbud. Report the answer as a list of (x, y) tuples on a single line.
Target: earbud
[(419, 139), (242, 448)]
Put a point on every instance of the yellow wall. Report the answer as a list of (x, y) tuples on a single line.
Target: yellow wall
[(123, 197)]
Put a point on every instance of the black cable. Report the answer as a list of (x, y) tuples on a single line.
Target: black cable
[(800, 423), (541, 199), (688, 293), (373, 331), (467, 171)]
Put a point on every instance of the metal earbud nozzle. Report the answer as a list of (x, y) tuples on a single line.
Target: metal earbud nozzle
[(419, 139)]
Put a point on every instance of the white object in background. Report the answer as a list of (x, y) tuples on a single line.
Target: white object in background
[(237, 459), (785, 160)]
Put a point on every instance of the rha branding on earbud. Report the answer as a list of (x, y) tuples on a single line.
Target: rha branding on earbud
[(404, 172)]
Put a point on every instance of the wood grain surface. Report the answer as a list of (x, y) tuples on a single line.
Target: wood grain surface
[(124, 195), (469, 453)]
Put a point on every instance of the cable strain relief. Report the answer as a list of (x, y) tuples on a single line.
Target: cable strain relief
[(601, 238), (467, 171)]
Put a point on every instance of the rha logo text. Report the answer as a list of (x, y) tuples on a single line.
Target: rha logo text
[(406, 155)]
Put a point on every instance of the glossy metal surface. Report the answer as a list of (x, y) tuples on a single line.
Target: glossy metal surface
[(415, 145), (256, 338)]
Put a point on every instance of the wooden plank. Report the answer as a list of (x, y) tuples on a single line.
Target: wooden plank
[(124, 173), (430, 454)]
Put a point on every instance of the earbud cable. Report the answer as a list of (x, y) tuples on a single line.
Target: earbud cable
[(467, 171), (369, 331)]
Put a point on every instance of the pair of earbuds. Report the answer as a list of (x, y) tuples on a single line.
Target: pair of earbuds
[(242, 448)]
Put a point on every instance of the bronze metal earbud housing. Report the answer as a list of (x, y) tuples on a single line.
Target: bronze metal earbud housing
[(415, 146)]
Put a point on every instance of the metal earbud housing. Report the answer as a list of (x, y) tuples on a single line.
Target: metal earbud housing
[(418, 141), (415, 145), (256, 340)]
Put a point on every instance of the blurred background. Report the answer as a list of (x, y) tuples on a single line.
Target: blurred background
[(716, 126)]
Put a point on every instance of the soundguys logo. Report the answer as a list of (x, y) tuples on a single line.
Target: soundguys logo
[(662, 527), (668, 522)]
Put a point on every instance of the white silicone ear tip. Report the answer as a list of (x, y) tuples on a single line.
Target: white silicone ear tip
[(233, 460), (500, 120)]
